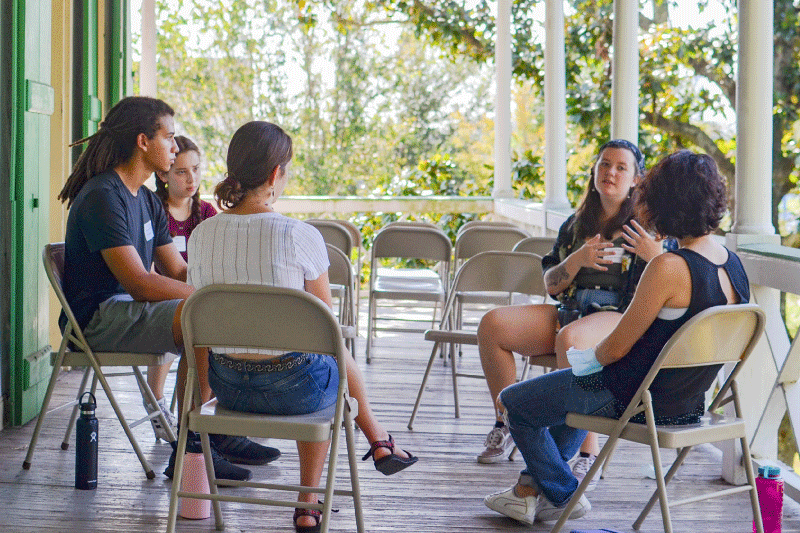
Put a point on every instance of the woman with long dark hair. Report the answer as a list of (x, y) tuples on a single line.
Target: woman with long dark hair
[(684, 197), (593, 270), (179, 190)]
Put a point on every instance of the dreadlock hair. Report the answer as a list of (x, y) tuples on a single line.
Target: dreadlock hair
[(587, 223), (115, 140), (185, 144), (255, 151)]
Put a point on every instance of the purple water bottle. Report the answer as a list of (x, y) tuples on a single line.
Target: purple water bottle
[(770, 498)]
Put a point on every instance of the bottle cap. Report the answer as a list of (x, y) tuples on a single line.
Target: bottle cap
[(769, 472), (89, 406)]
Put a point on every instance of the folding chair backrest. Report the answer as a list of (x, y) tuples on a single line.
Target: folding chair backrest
[(720, 334), (412, 242), (53, 261), (340, 271), (485, 223), (335, 234), (537, 245), (498, 271), (413, 223), (479, 239), (262, 317)]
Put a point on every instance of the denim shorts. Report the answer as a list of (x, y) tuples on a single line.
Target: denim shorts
[(602, 297), (301, 389)]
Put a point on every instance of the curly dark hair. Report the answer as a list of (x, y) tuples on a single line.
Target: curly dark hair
[(684, 195), (255, 150), (185, 144)]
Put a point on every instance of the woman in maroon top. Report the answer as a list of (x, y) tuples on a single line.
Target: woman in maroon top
[(179, 189)]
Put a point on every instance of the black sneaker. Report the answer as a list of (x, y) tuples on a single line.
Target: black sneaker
[(223, 469), (243, 451)]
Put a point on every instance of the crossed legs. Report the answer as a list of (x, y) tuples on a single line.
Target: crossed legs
[(530, 330), (582, 334)]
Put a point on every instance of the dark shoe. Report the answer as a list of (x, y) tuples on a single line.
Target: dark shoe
[(391, 464), (244, 451), (307, 512), (222, 468)]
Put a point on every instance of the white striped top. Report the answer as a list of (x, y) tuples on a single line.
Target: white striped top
[(258, 249)]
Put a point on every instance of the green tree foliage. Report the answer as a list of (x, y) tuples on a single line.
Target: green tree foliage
[(344, 81), (687, 84)]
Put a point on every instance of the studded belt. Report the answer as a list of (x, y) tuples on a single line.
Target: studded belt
[(279, 364)]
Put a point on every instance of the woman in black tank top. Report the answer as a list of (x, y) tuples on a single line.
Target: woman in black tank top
[(578, 270), (684, 197)]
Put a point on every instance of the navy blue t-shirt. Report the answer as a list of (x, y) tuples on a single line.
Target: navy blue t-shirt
[(106, 215)]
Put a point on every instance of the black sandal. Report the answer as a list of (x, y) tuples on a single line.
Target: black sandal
[(391, 464), (307, 512)]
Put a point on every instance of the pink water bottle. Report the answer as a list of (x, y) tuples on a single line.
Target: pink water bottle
[(194, 480), (770, 498)]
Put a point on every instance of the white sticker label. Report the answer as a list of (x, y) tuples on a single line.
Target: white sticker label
[(180, 242), (148, 231)]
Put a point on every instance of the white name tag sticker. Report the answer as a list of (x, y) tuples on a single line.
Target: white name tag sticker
[(148, 231), (180, 242)]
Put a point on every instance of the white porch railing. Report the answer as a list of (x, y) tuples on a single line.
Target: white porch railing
[(768, 385)]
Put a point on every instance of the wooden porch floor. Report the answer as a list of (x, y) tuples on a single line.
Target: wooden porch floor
[(443, 492)]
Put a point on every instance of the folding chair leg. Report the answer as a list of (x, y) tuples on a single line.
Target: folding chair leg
[(661, 482), (576, 496), (148, 470), (74, 415), (26, 464), (751, 479), (436, 347), (371, 312), (351, 456), (150, 398), (656, 494), (455, 384)]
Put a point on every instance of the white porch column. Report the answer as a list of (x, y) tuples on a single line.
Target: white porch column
[(555, 109), (147, 67), (753, 213), (625, 72), (752, 222), (502, 103)]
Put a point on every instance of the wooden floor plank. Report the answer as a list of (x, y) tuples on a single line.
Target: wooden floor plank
[(443, 492)]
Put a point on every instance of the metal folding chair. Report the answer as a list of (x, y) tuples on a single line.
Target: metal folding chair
[(305, 324), (722, 334), (76, 352)]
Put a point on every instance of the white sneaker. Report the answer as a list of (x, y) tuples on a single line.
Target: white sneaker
[(522, 509), (158, 429), (498, 445), (581, 468), (547, 512)]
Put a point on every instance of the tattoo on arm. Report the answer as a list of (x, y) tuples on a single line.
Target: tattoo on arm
[(558, 276)]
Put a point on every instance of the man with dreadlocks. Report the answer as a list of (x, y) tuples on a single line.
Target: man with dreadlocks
[(116, 230)]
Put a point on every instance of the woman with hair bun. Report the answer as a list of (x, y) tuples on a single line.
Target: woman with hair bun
[(251, 243), (684, 197)]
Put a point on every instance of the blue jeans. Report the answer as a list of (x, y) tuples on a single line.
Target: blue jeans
[(586, 297), (537, 409), (306, 388)]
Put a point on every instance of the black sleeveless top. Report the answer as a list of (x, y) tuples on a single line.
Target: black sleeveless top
[(677, 392)]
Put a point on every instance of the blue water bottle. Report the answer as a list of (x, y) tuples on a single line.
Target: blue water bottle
[(86, 434)]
